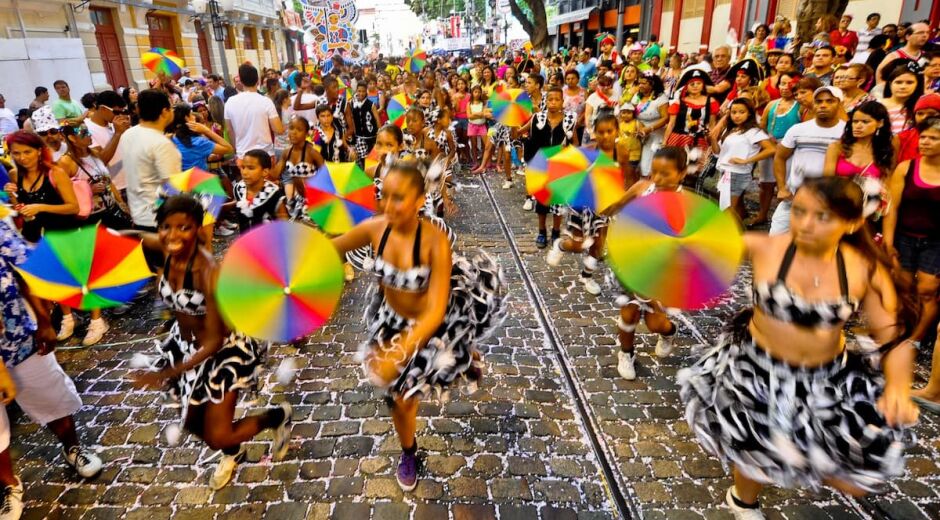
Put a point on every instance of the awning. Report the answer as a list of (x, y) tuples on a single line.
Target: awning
[(573, 16)]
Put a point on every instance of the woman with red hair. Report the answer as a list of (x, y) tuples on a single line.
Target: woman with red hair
[(41, 191)]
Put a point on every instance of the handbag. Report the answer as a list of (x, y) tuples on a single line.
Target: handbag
[(82, 189)]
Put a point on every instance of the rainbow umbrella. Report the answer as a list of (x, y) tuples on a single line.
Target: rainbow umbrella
[(165, 61), (511, 106), (584, 178), (344, 89), (339, 196), (88, 268), (675, 247), (536, 174), (206, 187), (372, 160), (279, 282), (415, 60), (398, 106)]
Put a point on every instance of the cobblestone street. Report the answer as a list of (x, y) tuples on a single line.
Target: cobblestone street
[(553, 433)]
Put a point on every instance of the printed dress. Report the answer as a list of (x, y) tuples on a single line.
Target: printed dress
[(788, 425), (476, 306), (236, 365)]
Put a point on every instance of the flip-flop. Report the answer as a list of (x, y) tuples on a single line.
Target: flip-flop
[(927, 405)]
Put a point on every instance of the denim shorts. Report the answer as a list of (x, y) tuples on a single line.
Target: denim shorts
[(918, 253)]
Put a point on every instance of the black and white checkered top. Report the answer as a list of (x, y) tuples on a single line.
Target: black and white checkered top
[(187, 299)]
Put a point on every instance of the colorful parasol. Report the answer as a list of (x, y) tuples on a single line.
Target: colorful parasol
[(675, 247), (279, 282), (536, 174), (344, 89), (206, 187), (511, 106), (89, 268), (583, 178), (372, 160), (398, 106), (340, 196), (415, 60), (163, 61)]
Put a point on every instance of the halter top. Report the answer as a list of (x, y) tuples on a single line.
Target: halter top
[(778, 301), (301, 168), (415, 279), (187, 300)]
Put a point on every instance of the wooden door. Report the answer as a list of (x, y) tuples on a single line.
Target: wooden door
[(161, 32), (203, 47), (109, 46)]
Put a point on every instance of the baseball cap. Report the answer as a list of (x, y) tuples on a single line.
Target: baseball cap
[(835, 91), (43, 120)]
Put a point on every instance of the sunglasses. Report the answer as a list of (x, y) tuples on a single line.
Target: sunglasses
[(82, 131), (51, 131)]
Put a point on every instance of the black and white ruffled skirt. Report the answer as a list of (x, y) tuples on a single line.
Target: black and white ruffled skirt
[(792, 426), (585, 222), (236, 366), (477, 306)]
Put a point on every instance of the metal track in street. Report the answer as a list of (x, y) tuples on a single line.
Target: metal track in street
[(613, 482)]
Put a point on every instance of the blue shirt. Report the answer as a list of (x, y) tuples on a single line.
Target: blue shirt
[(586, 71), (197, 154), (16, 340)]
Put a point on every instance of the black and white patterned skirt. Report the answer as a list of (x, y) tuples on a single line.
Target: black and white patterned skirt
[(585, 222), (791, 426), (236, 366), (477, 306)]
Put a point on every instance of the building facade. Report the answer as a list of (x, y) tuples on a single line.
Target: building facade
[(97, 44), (577, 22), (693, 25)]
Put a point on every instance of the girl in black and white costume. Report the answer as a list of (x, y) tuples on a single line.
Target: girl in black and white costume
[(783, 397), (667, 171), (202, 363), (549, 127), (300, 162), (429, 309), (586, 230)]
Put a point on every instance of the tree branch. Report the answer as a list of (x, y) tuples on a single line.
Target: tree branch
[(517, 12)]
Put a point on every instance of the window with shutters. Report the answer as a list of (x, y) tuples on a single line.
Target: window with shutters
[(669, 5), (229, 37), (266, 39)]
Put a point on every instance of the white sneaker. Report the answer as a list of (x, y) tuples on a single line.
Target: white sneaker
[(665, 345), (742, 513), (590, 263), (96, 330), (86, 463), (66, 328), (625, 365), (282, 434), (226, 468), (507, 185), (223, 231), (555, 254), (11, 501), (528, 205), (590, 286)]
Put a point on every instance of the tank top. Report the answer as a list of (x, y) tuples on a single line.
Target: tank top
[(844, 168), (366, 125), (476, 108), (899, 120), (777, 126), (917, 211), (41, 191)]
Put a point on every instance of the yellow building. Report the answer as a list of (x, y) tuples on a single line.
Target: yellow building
[(97, 45)]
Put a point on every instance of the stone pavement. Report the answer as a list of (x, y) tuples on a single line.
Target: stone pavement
[(552, 433)]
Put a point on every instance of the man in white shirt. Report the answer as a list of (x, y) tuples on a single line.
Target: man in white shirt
[(306, 97), (251, 118), (149, 157), (801, 153), (870, 31), (8, 123), (107, 124)]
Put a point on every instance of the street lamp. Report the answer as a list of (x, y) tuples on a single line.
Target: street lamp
[(214, 9)]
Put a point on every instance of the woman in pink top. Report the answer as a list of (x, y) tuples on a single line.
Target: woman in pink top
[(865, 153), (460, 100)]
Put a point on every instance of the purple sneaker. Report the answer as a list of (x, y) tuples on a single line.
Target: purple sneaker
[(408, 471)]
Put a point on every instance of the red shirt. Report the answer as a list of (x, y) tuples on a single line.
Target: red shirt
[(908, 140), (849, 40)]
